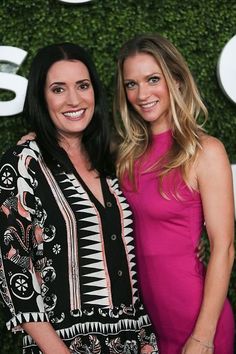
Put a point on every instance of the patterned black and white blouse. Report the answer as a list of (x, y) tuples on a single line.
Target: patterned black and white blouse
[(67, 259)]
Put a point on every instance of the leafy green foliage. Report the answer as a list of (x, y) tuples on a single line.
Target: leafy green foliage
[(198, 28)]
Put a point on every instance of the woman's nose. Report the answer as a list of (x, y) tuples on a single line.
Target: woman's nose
[(142, 92), (73, 97)]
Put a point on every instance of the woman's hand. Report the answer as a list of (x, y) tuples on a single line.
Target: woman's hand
[(46, 337), (195, 345), (201, 250), (28, 136)]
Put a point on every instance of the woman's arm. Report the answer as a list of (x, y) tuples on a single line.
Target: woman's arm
[(28, 136), (46, 337), (17, 245), (216, 188)]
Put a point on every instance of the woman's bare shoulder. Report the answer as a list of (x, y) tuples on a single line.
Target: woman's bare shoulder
[(211, 146), (212, 155)]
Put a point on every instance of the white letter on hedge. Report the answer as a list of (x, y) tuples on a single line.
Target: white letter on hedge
[(226, 69), (12, 82), (75, 1)]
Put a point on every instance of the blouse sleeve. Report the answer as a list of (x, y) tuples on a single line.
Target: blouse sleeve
[(19, 280)]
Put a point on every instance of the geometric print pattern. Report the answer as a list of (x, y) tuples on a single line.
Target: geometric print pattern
[(66, 259)]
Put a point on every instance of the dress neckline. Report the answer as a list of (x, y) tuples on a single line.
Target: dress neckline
[(162, 134), (164, 138)]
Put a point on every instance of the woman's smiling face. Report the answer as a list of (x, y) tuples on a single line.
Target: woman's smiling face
[(70, 97), (147, 90)]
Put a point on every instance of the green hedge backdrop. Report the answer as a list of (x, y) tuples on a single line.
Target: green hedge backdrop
[(199, 28)]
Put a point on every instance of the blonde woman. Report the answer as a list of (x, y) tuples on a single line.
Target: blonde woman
[(176, 178)]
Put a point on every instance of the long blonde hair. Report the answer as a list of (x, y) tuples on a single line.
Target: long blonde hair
[(185, 101)]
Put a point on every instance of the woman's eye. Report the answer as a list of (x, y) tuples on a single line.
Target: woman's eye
[(84, 86), (129, 85), (154, 79), (57, 89)]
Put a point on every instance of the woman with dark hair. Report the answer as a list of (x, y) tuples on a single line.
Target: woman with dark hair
[(67, 270), (95, 137)]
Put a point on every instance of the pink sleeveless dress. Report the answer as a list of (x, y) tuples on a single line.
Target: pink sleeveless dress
[(167, 232)]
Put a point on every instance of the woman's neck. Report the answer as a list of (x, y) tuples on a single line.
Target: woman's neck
[(71, 144)]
